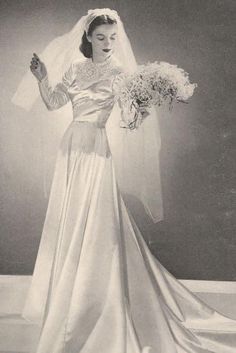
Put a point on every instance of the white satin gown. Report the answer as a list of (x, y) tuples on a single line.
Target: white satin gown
[(96, 287)]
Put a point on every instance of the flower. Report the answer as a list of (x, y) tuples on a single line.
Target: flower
[(153, 84)]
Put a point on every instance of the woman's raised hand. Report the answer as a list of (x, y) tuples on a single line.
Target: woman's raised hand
[(37, 67)]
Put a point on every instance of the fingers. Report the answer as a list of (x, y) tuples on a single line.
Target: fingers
[(36, 56), (35, 59), (132, 125), (35, 62), (34, 66)]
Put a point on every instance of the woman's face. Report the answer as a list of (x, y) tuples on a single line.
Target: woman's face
[(103, 40)]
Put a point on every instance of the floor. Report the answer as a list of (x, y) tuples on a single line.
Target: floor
[(19, 336)]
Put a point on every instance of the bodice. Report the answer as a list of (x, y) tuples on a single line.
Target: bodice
[(94, 102), (88, 86)]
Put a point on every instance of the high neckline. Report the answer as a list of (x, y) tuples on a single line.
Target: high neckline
[(104, 62)]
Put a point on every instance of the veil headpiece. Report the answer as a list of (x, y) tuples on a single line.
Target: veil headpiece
[(92, 14), (136, 153)]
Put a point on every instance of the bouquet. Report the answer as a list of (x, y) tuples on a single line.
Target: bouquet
[(152, 84)]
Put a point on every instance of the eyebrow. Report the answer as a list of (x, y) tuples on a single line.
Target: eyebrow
[(101, 34)]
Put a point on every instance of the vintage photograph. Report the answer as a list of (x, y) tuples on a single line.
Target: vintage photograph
[(117, 181)]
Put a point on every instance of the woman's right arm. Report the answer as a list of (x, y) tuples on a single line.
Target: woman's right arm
[(53, 98)]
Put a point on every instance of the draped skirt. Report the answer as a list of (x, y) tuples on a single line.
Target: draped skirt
[(96, 287)]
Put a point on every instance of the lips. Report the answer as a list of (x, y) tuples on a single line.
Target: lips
[(106, 50)]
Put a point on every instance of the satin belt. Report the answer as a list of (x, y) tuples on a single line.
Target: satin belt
[(98, 124), (89, 137)]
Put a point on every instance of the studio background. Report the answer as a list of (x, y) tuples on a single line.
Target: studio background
[(196, 238)]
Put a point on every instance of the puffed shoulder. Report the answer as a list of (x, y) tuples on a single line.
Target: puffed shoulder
[(76, 64), (117, 66), (71, 72)]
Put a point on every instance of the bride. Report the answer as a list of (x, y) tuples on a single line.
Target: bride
[(96, 287)]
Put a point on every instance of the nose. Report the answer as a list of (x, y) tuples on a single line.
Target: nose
[(107, 43)]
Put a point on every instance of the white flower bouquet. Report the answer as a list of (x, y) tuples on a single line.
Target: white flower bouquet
[(152, 84)]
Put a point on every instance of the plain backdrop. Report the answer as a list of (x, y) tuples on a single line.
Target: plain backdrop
[(196, 239)]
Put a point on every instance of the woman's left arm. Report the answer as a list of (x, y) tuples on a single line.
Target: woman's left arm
[(132, 115)]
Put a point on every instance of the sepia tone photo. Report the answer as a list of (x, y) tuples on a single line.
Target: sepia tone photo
[(117, 176)]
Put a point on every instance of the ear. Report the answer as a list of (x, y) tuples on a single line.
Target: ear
[(89, 38)]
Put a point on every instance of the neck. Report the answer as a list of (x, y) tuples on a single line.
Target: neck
[(98, 59)]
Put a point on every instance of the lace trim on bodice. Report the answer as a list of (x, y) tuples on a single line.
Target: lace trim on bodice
[(88, 71), (81, 76)]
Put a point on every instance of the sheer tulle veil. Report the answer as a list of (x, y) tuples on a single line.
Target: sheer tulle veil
[(135, 152)]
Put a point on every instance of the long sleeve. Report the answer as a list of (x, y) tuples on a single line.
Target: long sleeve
[(57, 97), (127, 112)]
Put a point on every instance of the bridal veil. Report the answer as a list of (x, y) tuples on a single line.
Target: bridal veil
[(135, 152)]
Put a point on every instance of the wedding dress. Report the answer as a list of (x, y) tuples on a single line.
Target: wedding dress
[(97, 284)]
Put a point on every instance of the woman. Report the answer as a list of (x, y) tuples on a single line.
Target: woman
[(95, 281)]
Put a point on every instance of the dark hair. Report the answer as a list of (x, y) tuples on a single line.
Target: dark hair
[(86, 46)]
